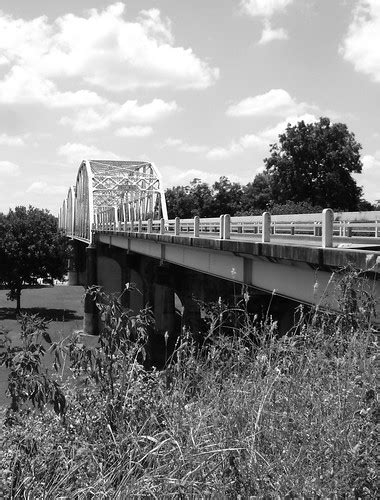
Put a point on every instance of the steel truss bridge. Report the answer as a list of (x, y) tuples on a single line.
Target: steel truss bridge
[(132, 190), (128, 197)]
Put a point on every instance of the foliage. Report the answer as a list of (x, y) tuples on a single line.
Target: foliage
[(313, 163), (30, 247), (26, 381), (248, 414)]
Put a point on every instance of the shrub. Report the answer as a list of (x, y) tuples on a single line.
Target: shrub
[(245, 413)]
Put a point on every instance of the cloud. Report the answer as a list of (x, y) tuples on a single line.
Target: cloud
[(275, 102), (269, 34), (102, 49), (264, 8), (10, 140), (135, 131), (90, 119), (40, 187), (8, 168), (259, 141), (22, 85), (361, 44), (369, 179), (271, 134), (76, 152), (184, 147)]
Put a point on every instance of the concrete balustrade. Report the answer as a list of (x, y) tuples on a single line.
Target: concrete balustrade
[(327, 228), (196, 226), (311, 227), (265, 238)]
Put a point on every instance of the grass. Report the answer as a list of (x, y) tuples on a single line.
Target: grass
[(245, 415)]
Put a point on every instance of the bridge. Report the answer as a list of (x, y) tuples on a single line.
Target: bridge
[(116, 218)]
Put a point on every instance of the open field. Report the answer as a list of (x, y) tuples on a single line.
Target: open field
[(62, 305)]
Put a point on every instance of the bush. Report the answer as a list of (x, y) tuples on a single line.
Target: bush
[(246, 413)]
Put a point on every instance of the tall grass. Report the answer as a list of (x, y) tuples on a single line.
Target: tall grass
[(242, 415)]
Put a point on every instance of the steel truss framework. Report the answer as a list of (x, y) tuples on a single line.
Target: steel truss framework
[(131, 189)]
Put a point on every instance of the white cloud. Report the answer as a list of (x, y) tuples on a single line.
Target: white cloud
[(88, 120), (184, 147), (259, 141), (76, 152), (271, 134), (362, 42), (102, 49), (264, 8), (135, 131), (369, 179), (8, 168), (269, 34), (22, 85), (275, 102), (41, 187), (11, 140)]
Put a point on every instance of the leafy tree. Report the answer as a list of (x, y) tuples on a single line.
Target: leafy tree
[(30, 247), (226, 197), (313, 163)]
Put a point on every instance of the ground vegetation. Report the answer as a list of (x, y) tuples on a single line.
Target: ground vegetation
[(242, 414)]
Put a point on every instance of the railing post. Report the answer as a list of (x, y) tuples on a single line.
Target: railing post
[(221, 227), (292, 231), (327, 228), (265, 238), (139, 227), (348, 229), (149, 226), (376, 228), (196, 226), (162, 225), (226, 227), (177, 223)]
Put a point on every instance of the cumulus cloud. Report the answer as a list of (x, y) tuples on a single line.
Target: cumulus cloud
[(134, 131), (101, 49), (22, 85), (184, 147), (361, 44), (41, 187), (264, 8), (369, 179), (275, 102), (9, 168), (90, 119), (259, 141), (76, 152), (11, 140), (269, 34)]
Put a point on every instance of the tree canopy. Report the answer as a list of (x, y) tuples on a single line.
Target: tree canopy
[(313, 163), (30, 247)]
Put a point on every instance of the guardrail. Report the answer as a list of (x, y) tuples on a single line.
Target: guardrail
[(320, 228)]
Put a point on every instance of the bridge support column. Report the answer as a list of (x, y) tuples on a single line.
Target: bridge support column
[(164, 306), (90, 319)]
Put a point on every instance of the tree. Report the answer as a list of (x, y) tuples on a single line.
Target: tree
[(30, 247), (313, 163)]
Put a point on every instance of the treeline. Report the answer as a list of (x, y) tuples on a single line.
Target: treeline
[(226, 197), (310, 168)]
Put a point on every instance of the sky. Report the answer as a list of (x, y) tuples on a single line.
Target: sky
[(200, 88)]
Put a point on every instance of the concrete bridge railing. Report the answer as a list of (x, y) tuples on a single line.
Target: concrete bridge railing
[(323, 228)]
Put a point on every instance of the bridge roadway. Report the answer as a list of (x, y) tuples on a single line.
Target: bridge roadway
[(117, 219), (300, 269)]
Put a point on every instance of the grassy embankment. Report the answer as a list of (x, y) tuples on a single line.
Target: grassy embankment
[(248, 414)]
